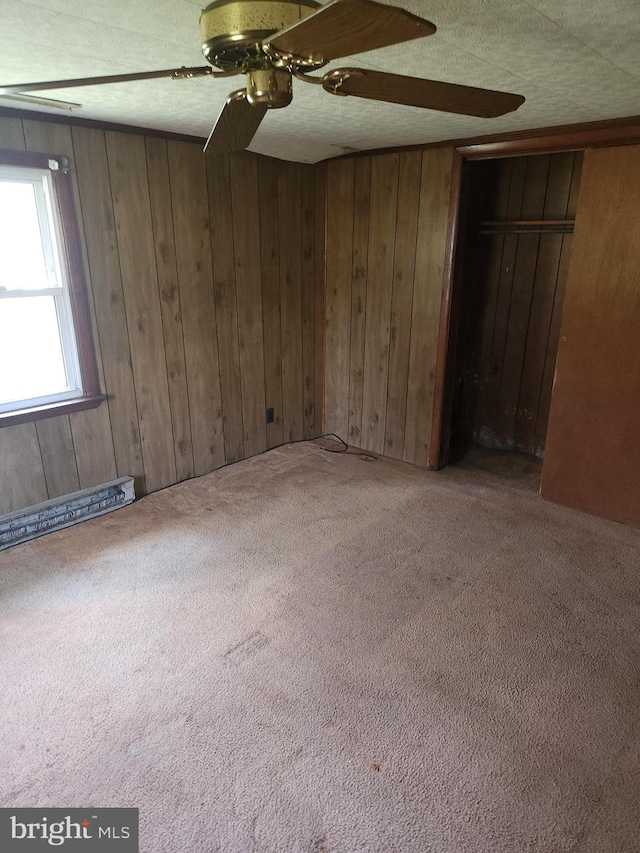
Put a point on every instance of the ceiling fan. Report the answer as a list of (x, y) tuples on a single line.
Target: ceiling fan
[(272, 41)]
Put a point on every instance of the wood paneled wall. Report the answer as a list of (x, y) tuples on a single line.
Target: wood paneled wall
[(206, 282), (386, 240), (513, 288), (593, 445)]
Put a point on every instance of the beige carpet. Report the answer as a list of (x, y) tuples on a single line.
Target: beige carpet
[(317, 652)]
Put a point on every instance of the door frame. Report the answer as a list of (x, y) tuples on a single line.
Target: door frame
[(603, 134)]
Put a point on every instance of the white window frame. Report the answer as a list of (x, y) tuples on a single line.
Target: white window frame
[(59, 288)]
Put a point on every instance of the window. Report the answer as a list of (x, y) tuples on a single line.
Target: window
[(46, 357)]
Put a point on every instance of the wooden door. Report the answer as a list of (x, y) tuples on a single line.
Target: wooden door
[(592, 458)]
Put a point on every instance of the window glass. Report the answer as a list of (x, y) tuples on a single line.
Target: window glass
[(31, 358), (22, 248), (39, 362)]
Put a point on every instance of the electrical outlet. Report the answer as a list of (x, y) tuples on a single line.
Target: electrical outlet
[(270, 416)]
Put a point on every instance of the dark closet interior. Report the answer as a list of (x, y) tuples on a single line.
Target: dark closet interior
[(511, 271)]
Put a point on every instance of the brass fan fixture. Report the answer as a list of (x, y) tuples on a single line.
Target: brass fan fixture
[(272, 41)]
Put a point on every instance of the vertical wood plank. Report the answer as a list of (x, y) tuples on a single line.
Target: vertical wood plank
[(433, 217), (487, 271), (58, 456), (195, 276), (536, 184), (359, 269), (531, 382), (132, 211), (382, 226), (246, 235), (340, 205), (308, 300), (442, 405), (171, 311), (48, 137), (91, 429), (511, 408), (270, 262), (224, 288), (93, 446), (102, 251), (289, 212), (574, 190), (410, 169), (561, 200), (566, 247), (22, 480), (552, 346), (534, 399), (559, 185), (320, 173), (12, 134), (493, 380)]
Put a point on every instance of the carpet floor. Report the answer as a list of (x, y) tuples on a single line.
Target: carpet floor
[(324, 652)]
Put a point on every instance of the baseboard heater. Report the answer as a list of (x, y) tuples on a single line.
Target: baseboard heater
[(54, 514)]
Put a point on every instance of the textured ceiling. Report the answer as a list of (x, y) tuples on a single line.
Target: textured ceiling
[(573, 60)]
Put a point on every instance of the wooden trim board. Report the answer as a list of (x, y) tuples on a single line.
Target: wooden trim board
[(567, 137)]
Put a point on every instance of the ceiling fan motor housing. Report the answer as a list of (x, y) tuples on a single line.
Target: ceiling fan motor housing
[(233, 31), (269, 86)]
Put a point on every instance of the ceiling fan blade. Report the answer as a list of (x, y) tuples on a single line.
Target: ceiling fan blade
[(176, 73), (346, 27), (236, 125), (415, 92)]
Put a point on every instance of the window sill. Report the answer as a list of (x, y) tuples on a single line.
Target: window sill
[(36, 413)]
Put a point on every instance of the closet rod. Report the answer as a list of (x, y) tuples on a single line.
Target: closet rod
[(568, 229), (489, 223)]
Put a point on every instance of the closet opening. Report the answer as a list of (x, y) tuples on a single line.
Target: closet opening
[(517, 217)]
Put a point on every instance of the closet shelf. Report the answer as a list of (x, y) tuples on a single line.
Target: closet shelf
[(527, 226)]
